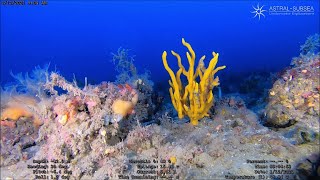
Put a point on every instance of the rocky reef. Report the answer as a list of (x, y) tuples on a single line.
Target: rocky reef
[(53, 128)]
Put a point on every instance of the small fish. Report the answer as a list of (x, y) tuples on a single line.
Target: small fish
[(120, 86), (128, 87)]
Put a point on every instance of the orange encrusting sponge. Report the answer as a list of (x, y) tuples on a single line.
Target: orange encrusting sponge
[(17, 107), (122, 108)]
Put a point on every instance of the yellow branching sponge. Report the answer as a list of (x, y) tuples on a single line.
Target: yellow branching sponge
[(196, 98)]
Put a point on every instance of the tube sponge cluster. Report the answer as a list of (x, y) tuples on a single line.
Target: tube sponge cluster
[(196, 98)]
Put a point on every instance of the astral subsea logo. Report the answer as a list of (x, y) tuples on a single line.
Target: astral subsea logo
[(283, 10), (258, 11), (291, 10)]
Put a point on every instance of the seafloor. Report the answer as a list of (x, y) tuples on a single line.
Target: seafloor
[(55, 129)]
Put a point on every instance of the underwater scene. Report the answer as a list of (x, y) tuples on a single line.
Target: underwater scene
[(197, 90)]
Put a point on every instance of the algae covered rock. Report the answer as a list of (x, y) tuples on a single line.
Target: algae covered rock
[(294, 97)]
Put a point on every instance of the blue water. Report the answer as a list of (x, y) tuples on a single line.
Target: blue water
[(77, 37)]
